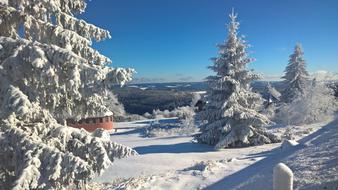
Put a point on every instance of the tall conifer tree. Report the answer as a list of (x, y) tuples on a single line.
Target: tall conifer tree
[(230, 112), (296, 78), (49, 72)]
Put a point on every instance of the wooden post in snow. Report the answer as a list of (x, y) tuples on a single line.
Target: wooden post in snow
[(282, 177)]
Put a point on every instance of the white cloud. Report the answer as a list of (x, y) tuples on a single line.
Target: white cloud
[(324, 75), (141, 80), (320, 75), (269, 77), (173, 78)]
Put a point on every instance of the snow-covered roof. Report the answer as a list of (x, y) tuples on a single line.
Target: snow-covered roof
[(108, 113)]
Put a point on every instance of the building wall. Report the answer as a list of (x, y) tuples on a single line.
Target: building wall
[(90, 124)]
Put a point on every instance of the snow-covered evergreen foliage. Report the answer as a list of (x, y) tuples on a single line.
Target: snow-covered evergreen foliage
[(273, 94), (296, 76), (304, 102), (232, 119), (272, 101), (48, 73), (116, 108), (195, 98), (184, 126), (183, 112), (113, 104), (317, 104)]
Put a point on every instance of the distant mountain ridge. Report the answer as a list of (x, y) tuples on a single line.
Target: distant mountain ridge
[(195, 86), (141, 98), (179, 86)]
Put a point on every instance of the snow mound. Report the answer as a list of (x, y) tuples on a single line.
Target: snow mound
[(170, 127), (205, 166), (132, 183), (288, 143), (136, 183)]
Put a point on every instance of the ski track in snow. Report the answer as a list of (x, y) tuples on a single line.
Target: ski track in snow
[(175, 162)]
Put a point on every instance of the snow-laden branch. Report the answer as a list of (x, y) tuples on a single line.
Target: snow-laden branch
[(51, 72), (43, 154), (81, 27)]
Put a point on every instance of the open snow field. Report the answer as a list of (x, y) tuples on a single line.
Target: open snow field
[(175, 162)]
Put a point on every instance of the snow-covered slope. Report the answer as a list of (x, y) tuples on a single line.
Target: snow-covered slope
[(177, 163), (173, 162), (314, 162)]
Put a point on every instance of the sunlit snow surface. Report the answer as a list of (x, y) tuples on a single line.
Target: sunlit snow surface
[(175, 162)]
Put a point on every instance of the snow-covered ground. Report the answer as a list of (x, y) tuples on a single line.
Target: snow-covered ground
[(175, 162)]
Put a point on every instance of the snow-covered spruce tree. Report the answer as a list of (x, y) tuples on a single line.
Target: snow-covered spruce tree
[(272, 101), (305, 101), (118, 110), (273, 95), (230, 112), (317, 104), (49, 72), (296, 76), (113, 104)]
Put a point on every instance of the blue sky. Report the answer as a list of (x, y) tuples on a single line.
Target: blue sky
[(173, 40)]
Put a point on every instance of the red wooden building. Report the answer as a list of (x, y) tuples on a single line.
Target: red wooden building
[(92, 123)]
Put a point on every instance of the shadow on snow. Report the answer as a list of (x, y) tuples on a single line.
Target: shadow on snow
[(162, 121), (262, 170), (134, 131), (141, 129), (186, 147)]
